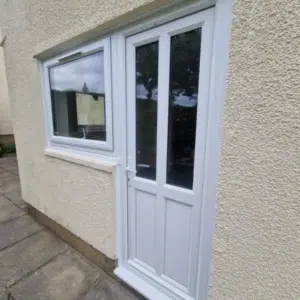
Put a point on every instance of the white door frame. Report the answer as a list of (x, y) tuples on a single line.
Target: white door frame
[(219, 66)]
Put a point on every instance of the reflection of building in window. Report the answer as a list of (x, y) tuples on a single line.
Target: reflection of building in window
[(78, 98), (90, 112), (79, 115)]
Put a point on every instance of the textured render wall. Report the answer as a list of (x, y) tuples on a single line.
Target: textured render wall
[(79, 198), (256, 244), (5, 118), (256, 251)]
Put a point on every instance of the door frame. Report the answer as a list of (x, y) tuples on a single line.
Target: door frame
[(219, 67)]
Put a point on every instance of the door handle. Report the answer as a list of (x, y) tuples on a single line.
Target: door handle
[(132, 171), (128, 169)]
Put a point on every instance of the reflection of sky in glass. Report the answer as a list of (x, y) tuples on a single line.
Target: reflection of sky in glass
[(180, 98), (73, 75)]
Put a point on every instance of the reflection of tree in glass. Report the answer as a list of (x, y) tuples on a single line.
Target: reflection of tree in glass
[(147, 66), (146, 109), (183, 93), (184, 67)]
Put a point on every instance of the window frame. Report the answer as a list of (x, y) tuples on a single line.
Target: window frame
[(85, 145)]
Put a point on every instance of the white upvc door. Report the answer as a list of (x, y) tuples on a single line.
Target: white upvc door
[(168, 72)]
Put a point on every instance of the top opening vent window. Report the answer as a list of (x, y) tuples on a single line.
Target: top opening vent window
[(78, 87)]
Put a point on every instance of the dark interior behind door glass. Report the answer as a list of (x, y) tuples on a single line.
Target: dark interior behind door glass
[(183, 96), (146, 109)]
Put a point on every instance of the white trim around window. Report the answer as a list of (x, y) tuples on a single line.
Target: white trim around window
[(80, 144)]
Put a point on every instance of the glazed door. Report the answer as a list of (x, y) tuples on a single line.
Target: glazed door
[(168, 75)]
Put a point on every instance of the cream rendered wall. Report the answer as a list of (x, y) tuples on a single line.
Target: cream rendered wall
[(256, 251), (5, 118), (257, 239), (79, 198)]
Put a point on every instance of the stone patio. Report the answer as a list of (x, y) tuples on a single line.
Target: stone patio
[(37, 265)]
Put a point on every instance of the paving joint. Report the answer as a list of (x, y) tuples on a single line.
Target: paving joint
[(23, 208), (10, 285), (37, 263), (23, 239), (13, 218)]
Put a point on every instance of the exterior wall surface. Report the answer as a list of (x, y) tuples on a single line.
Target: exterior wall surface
[(79, 198), (257, 230), (257, 239), (5, 117)]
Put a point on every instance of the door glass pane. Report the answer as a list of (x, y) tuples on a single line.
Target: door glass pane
[(183, 95), (146, 109), (78, 98)]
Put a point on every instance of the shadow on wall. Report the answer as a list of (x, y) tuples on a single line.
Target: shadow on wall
[(7, 143), (7, 148)]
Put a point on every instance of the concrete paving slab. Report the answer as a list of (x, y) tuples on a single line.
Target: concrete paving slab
[(9, 179), (6, 174), (3, 296), (16, 198), (8, 210), (8, 163), (4, 201), (14, 170), (26, 256), (3, 293), (67, 277), (8, 185), (16, 230), (8, 158), (108, 289)]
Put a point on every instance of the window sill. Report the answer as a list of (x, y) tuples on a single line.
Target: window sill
[(84, 159)]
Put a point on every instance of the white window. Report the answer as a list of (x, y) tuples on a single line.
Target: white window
[(77, 87)]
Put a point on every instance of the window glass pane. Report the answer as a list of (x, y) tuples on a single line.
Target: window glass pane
[(146, 109), (78, 98), (183, 94)]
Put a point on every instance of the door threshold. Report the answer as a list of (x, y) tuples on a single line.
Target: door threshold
[(139, 284)]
